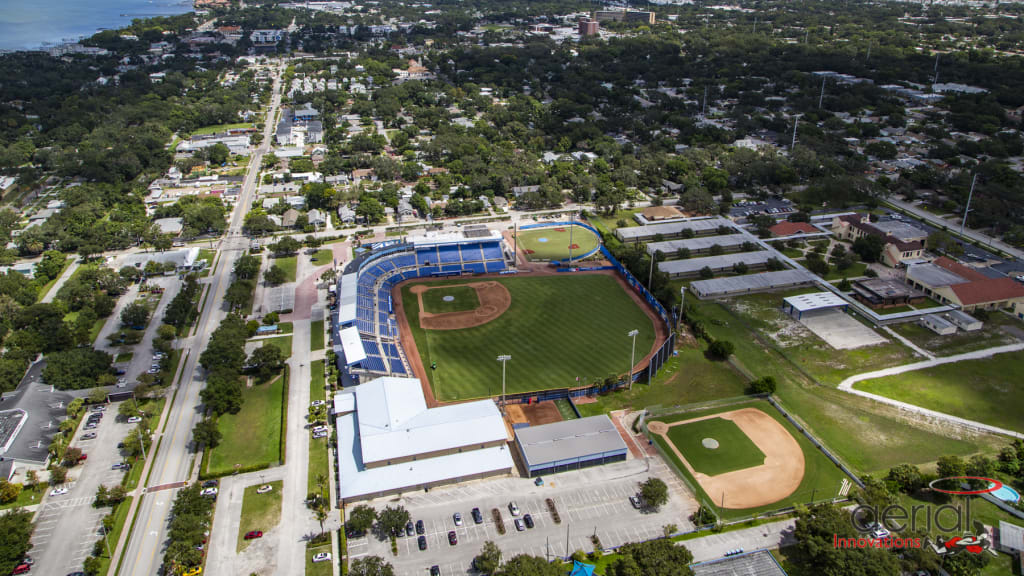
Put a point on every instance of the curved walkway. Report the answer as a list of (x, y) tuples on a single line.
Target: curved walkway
[(847, 385)]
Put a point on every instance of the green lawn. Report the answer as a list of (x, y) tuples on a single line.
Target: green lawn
[(288, 263), (557, 328), (610, 223), (992, 334), (565, 409), (259, 511), (27, 497), (735, 451), (318, 455), (316, 335), (981, 390), (323, 256), (120, 518), (685, 378), (285, 327), (251, 438), (854, 271), (220, 128), (283, 343), (317, 388), (124, 357), (319, 568), (869, 436), (450, 299), (207, 255), (551, 244), (822, 479), (792, 252)]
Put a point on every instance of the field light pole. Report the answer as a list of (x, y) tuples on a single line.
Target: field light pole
[(632, 357), (504, 358)]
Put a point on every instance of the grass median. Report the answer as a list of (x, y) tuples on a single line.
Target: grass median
[(316, 335)]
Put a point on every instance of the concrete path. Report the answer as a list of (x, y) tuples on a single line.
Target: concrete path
[(847, 385), (714, 546), (49, 296), (906, 342)]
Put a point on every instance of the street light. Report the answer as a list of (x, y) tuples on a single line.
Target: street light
[(504, 358), (632, 356)]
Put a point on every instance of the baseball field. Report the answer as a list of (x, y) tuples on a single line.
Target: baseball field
[(556, 328), (552, 243)]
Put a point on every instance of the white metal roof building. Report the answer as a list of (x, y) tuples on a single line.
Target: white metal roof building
[(724, 262), (393, 442), (750, 283), (810, 302), (698, 244), (672, 229), (570, 445)]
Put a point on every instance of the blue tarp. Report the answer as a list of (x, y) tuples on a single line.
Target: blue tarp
[(581, 569), (267, 329)]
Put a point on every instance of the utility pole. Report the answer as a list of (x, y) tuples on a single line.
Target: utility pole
[(821, 98), (796, 120), (632, 358), (572, 221), (515, 245), (704, 107), (650, 274), (504, 358), (968, 207), (567, 540), (869, 52), (936, 80)]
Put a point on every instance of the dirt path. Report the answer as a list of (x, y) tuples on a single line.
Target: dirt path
[(777, 478)]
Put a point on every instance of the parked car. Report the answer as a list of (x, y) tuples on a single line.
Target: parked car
[(528, 520), (21, 569), (435, 570), (422, 542), (316, 403), (322, 557), (513, 508), (419, 527), (58, 491), (264, 489), (409, 530), (120, 466), (320, 434), (879, 531), (209, 483), (83, 457), (635, 501), (539, 481), (91, 426), (134, 420), (253, 534), (458, 518), (519, 524), (209, 492), (453, 538), (88, 436), (478, 518)]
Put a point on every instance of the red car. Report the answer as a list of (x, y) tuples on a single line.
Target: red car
[(452, 538), (253, 534), (22, 569)]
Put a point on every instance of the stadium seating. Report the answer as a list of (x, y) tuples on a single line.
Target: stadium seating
[(449, 254), (492, 252), (472, 253)]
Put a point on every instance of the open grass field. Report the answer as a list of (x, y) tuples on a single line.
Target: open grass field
[(450, 299), (251, 438), (316, 335), (220, 128), (322, 256), (735, 450), (981, 390), (992, 334), (821, 480), (288, 263), (283, 343), (557, 328), (553, 243), (259, 511), (870, 437), (319, 568)]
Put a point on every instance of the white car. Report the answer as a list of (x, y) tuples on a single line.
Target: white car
[(58, 491), (134, 420), (209, 492), (513, 508), (319, 429), (316, 403), (322, 557), (264, 489), (878, 531), (320, 434)]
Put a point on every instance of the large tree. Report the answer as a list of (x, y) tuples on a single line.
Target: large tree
[(489, 558), (16, 526), (816, 527), (390, 521), (135, 314), (654, 492), (76, 369), (361, 518), (526, 565), (370, 566)]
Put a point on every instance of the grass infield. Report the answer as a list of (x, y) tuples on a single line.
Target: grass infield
[(735, 450), (553, 243), (557, 328), (436, 300)]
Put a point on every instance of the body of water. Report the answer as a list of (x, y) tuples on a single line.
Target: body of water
[(29, 24)]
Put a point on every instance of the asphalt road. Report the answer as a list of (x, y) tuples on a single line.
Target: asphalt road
[(67, 526), (142, 353), (175, 457)]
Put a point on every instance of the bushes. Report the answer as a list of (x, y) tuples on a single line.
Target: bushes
[(721, 349), (703, 516), (763, 385)]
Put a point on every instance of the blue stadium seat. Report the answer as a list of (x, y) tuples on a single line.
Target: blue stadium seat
[(449, 254), (477, 268), (424, 255), (451, 268), (492, 252), (404, 260), (496, 266), (471, 253), (397, 368)]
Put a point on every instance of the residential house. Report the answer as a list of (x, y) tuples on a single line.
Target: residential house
[(316, 218), (289, 217), (346, 215)]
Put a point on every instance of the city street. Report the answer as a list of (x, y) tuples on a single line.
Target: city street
[(590, 501)]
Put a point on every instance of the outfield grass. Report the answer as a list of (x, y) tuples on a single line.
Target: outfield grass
[(685, 378), (550, 244), (982, 390), (463, 298), (259, 511), (557, 328), (323, 256), (736, 451), (870, 437), (316, 335), (822, 479), (288, 263), (251, 438)]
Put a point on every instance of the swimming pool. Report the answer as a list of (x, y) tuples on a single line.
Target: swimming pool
[(1006, 494)]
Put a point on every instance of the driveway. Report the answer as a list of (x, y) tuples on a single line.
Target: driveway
[(595, 500), (142, 357), (67, 526)]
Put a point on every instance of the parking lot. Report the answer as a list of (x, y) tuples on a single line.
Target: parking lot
[(67, 525), (588, 501)]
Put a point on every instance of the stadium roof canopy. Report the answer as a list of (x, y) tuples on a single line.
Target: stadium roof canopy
[(352, 345)]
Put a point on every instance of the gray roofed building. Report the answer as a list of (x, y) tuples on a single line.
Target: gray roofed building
[(289, 217), (698, 245), (570, 445), (672, 229), (346, 215), (316, 217), (314, 132), (170, 225), (693, 266), (750, 283)]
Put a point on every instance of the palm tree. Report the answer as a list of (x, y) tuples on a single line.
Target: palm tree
[(321, 481), (321, 514)]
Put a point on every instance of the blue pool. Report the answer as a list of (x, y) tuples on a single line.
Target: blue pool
[(1006, 494)]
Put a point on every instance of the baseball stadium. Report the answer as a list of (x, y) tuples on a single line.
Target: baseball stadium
[(445, 307)]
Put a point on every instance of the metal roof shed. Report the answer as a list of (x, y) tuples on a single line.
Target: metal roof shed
[(810, 302), (570, 445)]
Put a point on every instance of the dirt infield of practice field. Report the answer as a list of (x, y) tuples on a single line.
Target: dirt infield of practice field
[(777, 478), (534, 414), (494, 301)]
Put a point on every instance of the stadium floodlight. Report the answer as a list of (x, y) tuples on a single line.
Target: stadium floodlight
[(632, 357), (504, 358)]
